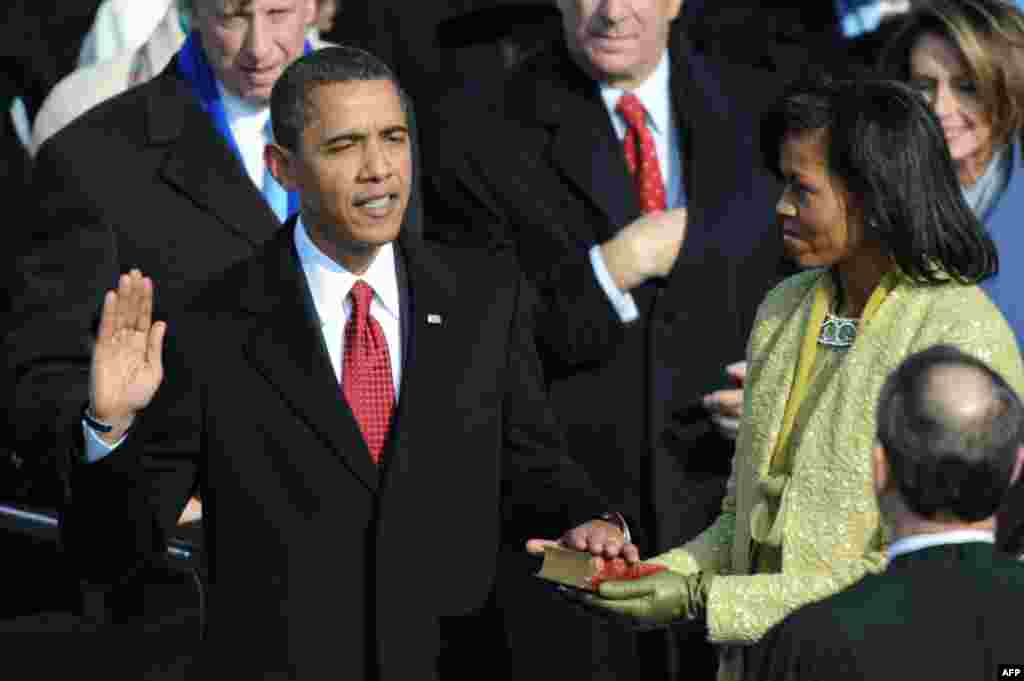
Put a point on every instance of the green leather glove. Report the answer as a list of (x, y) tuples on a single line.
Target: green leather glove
[(660, 599)]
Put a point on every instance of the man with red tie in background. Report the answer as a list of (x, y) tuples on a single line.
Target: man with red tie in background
[(358, 408), (623, 165)]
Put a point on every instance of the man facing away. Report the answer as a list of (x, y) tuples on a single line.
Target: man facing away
[(359, 410), (950, 436)]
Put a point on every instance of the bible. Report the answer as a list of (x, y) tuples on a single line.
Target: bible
[(582, 570)]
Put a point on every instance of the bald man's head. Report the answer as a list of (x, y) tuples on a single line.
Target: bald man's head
[(965, 402), (951, 428)]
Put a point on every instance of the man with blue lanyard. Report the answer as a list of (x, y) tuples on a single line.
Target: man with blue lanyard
[(167, 177)]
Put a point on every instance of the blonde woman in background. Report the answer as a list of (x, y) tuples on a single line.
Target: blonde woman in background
[(966, 58)]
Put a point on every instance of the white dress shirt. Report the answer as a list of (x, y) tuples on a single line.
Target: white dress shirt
[(248, 124), (656, 96), (330, 284), (918, 542)]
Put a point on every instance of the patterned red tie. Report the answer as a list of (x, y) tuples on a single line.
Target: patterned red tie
[(366, 372), (641, 154)]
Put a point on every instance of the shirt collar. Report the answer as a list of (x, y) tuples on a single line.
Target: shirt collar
[(984, 193), (239, 111), (653, 93), (916, 542), (330, 283)]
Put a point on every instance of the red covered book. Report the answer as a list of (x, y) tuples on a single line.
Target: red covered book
[(581, 570)]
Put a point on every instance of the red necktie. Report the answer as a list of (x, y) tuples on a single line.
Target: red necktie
[(641, 154), (366, 372)]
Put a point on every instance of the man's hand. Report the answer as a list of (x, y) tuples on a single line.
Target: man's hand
[(645, 248), (599, 537), (726, 406), (127, 365), (193, 512), (658, 599)]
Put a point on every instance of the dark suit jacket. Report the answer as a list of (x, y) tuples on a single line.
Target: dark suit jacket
[(430, 44), (546, 173), (946, 612), (143, 180), (1010, 535), (317, 559)]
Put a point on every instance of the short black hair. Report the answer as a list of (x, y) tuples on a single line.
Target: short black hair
[(291, 108), (887, 148), (943, 462)]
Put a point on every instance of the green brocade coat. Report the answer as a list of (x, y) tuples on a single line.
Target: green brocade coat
[(828, 518)]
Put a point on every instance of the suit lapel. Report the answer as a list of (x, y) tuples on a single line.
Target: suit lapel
[(584, 147), (426, 331), (200, 164), (679, 84), (285, 345)]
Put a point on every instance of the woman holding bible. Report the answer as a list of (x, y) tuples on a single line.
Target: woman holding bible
[(872, 208)]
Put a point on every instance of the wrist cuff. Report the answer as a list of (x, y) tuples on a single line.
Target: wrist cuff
[(93, 422)]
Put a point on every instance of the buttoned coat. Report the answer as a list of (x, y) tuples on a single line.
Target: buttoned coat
[(319, 563)]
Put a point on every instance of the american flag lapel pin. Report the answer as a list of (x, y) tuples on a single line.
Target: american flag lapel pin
[(433, 318)]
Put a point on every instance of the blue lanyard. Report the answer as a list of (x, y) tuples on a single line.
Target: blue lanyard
[(194, 68)]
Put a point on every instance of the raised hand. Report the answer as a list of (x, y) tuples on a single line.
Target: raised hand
[(127, 365)]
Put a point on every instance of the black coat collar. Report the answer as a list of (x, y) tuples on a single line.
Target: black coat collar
[(553, 92), (199, 163)]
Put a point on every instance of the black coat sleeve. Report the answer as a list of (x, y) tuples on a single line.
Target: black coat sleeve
[(544, 492), (121, 509), (66, 260)]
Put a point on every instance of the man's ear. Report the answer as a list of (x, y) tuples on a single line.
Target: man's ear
[(674, 8), (280, 161), (880, 465)]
